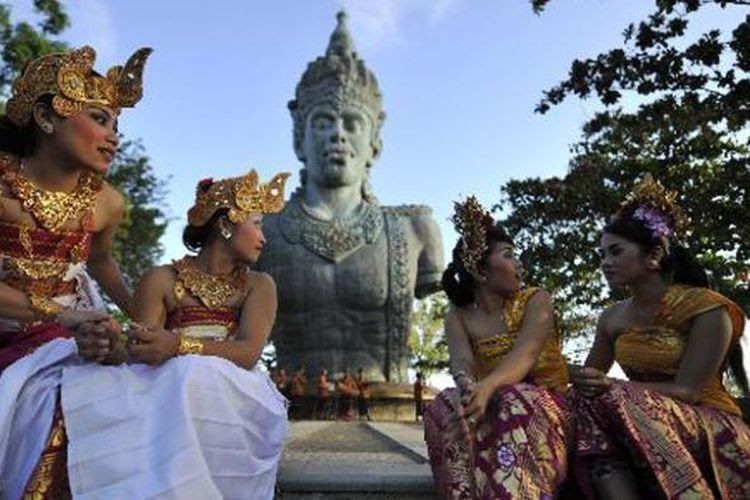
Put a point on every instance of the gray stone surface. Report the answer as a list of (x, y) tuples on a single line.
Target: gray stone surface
[(354, 460), (346, 269)]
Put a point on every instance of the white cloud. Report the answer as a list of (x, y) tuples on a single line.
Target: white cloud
[(375, 23)]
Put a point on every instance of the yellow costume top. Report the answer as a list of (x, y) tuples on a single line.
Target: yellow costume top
[(654, 353), (550, 370)]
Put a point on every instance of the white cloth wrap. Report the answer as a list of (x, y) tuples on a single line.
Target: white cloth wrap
[(194, 427)]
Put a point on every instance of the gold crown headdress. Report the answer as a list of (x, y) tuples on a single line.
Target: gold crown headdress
[(338, 77), (472, 221), (240, 195), (655, 207), (70, 78)]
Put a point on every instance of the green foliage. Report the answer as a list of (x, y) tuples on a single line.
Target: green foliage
[(136, 246), (427, 343), (22, 41), (688, 130)]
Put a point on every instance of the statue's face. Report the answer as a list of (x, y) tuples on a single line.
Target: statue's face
[(337, 145)]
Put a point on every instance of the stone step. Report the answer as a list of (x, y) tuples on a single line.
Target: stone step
[(357, 460)]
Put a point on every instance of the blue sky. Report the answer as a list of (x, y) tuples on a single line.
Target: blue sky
[(460, 80)]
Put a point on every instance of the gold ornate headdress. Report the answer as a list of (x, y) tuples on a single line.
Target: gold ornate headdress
[(338, 77), (71, 79), (472, 221), (241, 195), (655, 207)]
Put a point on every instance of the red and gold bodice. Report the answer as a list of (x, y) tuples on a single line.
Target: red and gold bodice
[(654, 353), (45, 259), (211, 318), (550, 370), (217, 324)]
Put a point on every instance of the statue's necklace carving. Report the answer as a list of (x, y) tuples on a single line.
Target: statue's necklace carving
[(333, 239), (213, 290)]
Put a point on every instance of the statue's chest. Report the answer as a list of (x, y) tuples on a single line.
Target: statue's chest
[(307, 281)]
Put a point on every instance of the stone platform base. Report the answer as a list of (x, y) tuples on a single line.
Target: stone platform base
[(354, 460)]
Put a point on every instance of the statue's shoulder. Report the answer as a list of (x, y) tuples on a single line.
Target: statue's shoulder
[(411, 211), (419, 217)]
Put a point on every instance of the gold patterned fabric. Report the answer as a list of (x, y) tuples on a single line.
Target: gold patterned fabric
[(655, 352), (519, 450), (49, 480), (550, 370), (679, 451)]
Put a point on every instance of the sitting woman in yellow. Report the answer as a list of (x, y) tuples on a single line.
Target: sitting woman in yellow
[(673, 424), (504, 431)]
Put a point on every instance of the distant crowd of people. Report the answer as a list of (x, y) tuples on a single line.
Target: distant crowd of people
[(335, 398)]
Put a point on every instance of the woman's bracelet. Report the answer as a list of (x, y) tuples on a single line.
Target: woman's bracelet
[(45, 308), (189, 345)]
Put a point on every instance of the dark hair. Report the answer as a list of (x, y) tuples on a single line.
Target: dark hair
[(679, 266), (195, 238), (20, 141), (457, 283)]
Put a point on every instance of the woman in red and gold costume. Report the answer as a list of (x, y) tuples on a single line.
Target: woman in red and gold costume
[(673, 425), (204, 321), (504, 431), (58, 217)]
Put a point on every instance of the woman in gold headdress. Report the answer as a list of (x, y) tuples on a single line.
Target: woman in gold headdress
[(211, 302), (504, 431), (196, 416), (58, 218), (673, 425)]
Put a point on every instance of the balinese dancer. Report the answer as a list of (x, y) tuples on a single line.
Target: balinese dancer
[(58, 218), (673, 425), (213, 307), (504, 431)]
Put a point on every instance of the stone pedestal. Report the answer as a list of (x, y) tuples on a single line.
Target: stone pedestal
[(389, 403)]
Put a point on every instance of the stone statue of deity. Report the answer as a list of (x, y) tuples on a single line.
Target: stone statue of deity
[(346, 268)]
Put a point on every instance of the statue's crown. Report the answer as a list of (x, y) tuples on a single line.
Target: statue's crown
[(336, 77), (242, 196), (70, 78)]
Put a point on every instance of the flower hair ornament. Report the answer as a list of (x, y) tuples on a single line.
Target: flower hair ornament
[(472, 222), (651, 204)]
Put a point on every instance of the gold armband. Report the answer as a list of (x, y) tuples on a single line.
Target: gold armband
[(44, 307), (190, 345)]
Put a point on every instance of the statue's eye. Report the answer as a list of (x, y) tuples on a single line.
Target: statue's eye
[(353, 124), (321, 122)]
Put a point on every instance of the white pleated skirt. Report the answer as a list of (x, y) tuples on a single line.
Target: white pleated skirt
[(195, 427)]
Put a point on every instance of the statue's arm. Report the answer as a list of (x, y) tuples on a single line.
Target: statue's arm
[(430, 265)]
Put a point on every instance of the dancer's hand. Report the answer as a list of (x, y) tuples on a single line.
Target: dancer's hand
[(589, 382), (457, 428), (95, 335), (152, 347), (474, 411)]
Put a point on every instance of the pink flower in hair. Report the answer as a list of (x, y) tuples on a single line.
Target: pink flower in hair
[(655, 221)]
